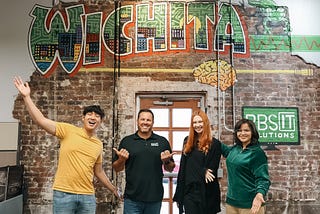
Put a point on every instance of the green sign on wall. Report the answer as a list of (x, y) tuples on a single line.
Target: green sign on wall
[(276, 125)]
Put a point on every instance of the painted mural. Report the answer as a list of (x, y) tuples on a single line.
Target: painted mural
[(218, 73), (73, 37)]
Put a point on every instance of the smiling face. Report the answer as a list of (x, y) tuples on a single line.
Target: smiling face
[(244, 134), (197, 124), (145, 124), (91, 121)]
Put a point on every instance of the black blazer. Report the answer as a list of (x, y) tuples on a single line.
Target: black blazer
[(210, 192)]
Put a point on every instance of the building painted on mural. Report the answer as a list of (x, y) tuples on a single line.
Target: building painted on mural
[(233, 60)]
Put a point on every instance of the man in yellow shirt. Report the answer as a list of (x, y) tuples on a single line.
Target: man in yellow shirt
[(80, 157)]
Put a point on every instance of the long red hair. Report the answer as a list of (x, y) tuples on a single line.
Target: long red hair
[(204, 140)]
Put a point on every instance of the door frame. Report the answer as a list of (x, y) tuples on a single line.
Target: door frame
[(164, 99)]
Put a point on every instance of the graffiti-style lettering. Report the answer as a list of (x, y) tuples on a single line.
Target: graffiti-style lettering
[(53, 38), (74, 38)]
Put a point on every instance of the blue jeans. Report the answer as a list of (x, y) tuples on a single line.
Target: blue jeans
[(69, 203), (139, 207)]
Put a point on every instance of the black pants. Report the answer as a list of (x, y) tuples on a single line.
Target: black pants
[(192, 200)]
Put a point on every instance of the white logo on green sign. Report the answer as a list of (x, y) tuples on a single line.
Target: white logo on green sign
[(275, 124)]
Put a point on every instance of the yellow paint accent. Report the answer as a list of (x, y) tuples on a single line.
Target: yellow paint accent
[(136, 70), (303, 72), (181, 23), (197, 23)]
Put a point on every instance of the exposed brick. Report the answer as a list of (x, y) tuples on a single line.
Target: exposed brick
[(294, 170)]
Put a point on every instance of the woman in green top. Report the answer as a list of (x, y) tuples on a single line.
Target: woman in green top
[(247, 168)]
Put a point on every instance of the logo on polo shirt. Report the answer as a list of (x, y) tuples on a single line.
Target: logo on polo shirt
[(154, 144)]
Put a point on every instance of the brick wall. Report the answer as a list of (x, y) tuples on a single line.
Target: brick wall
[(294, 170)]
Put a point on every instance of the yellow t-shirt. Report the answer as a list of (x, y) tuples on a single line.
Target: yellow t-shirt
[(78, 155)]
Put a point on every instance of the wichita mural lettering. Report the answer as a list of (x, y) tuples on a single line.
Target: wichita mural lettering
[(74, 38)]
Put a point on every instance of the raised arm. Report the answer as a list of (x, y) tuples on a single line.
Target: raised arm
[(35, 113)]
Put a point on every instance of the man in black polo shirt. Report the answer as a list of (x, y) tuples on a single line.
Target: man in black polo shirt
[(142, 155)]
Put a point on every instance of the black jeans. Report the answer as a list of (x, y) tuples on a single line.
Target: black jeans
[(192, 199)]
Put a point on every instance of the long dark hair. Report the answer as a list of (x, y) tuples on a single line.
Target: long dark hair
[(253, 128)]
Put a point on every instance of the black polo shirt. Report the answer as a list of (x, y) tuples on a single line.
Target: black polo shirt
[(144, 167)]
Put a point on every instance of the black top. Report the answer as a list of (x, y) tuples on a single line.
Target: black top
[(194, 169), (144, 167), (192, 173)]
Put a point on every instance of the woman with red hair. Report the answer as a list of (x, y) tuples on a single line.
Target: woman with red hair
[(198, 190)]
